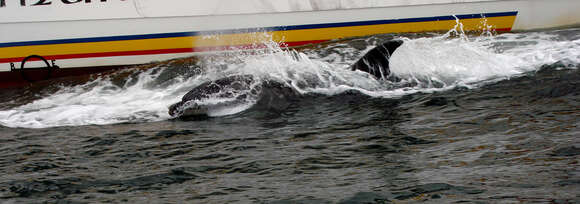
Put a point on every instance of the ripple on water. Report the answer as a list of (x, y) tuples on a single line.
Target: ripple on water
[(512, 140)]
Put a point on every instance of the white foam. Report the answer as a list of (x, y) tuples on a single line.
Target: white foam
[(451, 62), (96, 103), (436, 63)]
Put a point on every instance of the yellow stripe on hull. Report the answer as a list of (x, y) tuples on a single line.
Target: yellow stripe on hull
[(219, 40), (355, 31)]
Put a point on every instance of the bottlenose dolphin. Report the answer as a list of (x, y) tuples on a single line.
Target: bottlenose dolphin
[(237, 89), (221, 88), (269, 94)]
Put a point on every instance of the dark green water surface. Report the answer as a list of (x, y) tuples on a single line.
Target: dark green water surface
[(511, 140)]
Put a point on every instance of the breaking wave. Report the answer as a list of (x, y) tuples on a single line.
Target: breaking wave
[(423, 64)]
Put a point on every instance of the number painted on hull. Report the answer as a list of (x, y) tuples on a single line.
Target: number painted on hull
[(46, 2), (42, 3), (70, 2)]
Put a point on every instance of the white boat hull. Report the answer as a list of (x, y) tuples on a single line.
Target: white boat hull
[(116, 33)]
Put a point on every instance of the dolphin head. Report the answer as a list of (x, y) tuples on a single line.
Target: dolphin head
[(213, 95), (174, 109), (188, 108)]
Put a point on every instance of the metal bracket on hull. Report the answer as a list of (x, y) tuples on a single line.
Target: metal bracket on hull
[(50, 67)]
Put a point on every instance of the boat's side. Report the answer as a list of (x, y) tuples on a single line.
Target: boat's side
[(113, 42), (223, 39), (124, 41)]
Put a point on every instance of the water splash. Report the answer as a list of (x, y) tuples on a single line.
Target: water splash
[(423, 64), (446, 61)]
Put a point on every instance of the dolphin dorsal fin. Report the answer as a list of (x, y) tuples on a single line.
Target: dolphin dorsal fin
[(376, 61)]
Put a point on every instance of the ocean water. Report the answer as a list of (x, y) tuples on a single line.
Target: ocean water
[(480, 118)]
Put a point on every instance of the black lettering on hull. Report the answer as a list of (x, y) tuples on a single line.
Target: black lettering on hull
[(71, 1), (42, 2), (24, 3)]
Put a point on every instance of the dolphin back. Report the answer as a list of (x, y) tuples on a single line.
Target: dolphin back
[(227, 87), (238, 89), (207, 89)]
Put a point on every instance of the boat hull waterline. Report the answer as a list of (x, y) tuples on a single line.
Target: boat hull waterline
[(80, 47)]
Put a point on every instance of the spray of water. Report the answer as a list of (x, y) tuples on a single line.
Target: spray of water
[(423, 64), (445, 61)]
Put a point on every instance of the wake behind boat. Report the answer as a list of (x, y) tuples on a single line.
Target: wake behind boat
[(80, 37)]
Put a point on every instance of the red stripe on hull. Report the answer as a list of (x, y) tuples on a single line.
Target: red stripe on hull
[(10, 79), (503, 29)]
